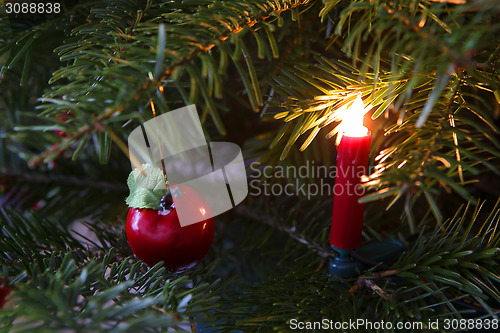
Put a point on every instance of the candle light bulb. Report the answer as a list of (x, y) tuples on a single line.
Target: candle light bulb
[(352, 124), (353, 152)]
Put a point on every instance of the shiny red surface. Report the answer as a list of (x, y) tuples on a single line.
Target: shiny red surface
[(347, 216), (156, 236)]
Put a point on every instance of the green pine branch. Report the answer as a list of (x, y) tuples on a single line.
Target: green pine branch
[(149, 60), (447, 272), (59, 282)]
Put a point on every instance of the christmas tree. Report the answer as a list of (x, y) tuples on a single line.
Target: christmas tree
[(276, 77)]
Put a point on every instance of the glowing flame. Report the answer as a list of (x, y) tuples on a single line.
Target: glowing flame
[(203, 211), (352, 124), (204, 225)]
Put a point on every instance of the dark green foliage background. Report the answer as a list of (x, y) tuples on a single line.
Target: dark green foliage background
[(268, 75)]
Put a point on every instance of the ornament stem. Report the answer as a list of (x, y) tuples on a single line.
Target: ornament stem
[(167, 201)]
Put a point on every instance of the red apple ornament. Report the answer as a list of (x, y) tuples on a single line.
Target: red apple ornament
[(153, 229)]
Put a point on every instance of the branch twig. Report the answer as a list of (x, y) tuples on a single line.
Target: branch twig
[(364, 282), (149, 84), (64, 180)]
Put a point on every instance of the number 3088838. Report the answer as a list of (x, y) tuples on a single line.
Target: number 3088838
[(32, 8)]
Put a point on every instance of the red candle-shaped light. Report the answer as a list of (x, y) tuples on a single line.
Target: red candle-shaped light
[(352, 163)]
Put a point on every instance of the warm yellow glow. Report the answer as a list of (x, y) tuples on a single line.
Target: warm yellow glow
[(202, 211), (402, 163), (352, 123), (204, 225), (153, 108)]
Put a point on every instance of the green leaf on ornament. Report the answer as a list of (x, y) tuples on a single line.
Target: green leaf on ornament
[(147, 187)]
